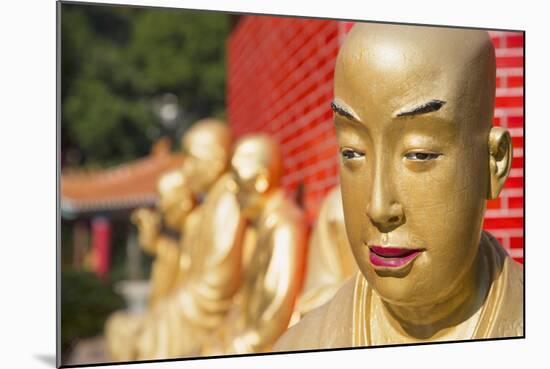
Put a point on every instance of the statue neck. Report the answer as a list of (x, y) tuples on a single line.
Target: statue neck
[(441, 318)]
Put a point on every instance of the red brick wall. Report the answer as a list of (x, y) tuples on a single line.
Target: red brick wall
[(504, 217), (280, 81)]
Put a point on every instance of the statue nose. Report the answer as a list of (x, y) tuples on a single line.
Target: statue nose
[(383, 210), (386, 218)]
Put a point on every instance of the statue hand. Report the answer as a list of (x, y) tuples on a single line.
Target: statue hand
[(147, 222)]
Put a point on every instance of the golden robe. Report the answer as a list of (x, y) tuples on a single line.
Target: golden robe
[(213, 239), (271, 282), (344, 321)]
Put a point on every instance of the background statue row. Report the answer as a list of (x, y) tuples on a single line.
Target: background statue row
[(229, 253)]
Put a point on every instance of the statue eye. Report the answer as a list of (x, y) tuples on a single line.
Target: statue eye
[(351, 154), (422, 156)]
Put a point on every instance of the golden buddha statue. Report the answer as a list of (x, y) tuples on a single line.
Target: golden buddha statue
[(273, 278), (209, 262), (159, 232), (329, 259), (212, 238), (419, 158), (158, 235)]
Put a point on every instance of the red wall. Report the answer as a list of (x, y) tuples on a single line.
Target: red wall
[(280, 81), (504, 217)]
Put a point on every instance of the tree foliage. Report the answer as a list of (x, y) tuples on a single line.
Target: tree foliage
[(115, 61), (86, 302)]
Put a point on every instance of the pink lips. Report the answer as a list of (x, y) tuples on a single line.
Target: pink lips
[(392, 257)]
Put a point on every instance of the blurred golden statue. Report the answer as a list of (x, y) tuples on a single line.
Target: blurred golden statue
[(329, 259), (272, 281), (209, 266), (213, 238), (159, 232), (419, 157), (159, 235)]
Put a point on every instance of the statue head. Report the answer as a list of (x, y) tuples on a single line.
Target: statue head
[(418, 154), (206, 146), (175, 199), (256, 166)]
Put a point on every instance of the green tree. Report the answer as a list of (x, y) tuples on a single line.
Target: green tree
[(86, 302), (116, 61)]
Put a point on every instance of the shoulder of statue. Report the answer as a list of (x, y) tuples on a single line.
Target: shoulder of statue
[(328, 326), (305, 334), (285, 205), (338, 331), (513, 298), (511, 270), (221, 197), (287, 215), (506, 296)]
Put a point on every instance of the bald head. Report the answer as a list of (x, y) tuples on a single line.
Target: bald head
[(411, 70), (255, 154), (256, 166), (170, 181), (208, 138), (175, 201), (206, 146)]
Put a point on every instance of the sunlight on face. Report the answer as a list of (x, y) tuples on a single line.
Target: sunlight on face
[(414, 160)]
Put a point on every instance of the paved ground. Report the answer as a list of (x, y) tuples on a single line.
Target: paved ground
[(88, 351)]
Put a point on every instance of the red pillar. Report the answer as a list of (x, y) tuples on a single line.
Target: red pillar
[(101, 243)]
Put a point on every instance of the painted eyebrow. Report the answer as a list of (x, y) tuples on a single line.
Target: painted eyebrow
[(342, 109), (428, 107)]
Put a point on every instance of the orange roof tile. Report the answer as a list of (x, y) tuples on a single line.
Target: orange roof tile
[(126, 186)]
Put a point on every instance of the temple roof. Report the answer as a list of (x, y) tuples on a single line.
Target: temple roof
[(123, 187)]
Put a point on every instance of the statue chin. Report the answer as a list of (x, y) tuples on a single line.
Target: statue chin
[(413, 288)]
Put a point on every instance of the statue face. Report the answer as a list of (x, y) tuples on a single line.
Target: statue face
[(205, 146), (175, 200), (255, 167), (250, 200), (413, 108), (199, 166)]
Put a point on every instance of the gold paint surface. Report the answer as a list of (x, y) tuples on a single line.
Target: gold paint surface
[(208, 271), (180, 323), (329, 261), (275, 270), (419, 158), (174, 205)]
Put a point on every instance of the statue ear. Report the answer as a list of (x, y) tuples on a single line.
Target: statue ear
[(500, 159), (261, 184)]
